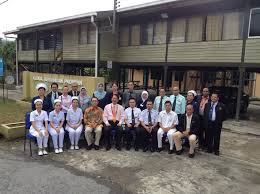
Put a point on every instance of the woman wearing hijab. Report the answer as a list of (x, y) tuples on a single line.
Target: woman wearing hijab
[(39, 126), (100, 95), (84, 99), (142, 102), (46, 106)]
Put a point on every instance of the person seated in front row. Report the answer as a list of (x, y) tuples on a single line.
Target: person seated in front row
[(74, 123), (39, 127), (168, 120), (93, 119), (188, 128), (132, 124), (113, 118), (56, 118), (149, 123)]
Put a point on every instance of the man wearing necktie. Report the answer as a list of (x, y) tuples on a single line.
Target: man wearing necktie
[(129, 94), (149, 123), (160, 101), (178, 102), (54, 94), (132, 129), (213, 117), (74, 89), (113, 117)]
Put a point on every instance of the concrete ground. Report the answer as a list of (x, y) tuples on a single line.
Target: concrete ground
[(236, 170)]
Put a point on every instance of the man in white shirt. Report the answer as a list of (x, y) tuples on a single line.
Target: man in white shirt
[(167, 122), (132, 124), (113, 117)]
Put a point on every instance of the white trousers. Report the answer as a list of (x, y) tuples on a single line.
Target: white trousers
[(74, 134), (57, 137), (169, 135), (42, 141)]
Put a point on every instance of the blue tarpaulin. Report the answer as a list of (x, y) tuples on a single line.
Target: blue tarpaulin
[(1, 67)]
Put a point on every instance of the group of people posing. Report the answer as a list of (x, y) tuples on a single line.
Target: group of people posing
[(144, 123)]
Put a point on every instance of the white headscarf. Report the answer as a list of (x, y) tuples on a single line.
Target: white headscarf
[(144, 92)]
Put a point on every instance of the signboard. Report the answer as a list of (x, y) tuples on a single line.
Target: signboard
[(109, 64), (1, 67)]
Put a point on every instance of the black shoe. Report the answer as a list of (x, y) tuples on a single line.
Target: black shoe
[(159, 149), (191, 155), (96, 147), (209, 151), (136, 149), (216, 153), (152, 150), (170, 152), (128, 147), (89, 147), (145, 149), (118, 148), (108, 147), (179, 152)]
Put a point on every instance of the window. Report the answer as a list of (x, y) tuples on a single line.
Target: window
[(124, 36), (146, 34), (178, 31), (91, 34), (27, 42), (160, 32), (134, 35), (233, 25), (254, 29), (195, 28), (214, 27), (83, 33)]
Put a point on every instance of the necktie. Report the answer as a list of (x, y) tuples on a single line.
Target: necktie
[(211, 112), (130, 95), (114, 113), (133, 117), (160, 105), (174, 103), (74, 93), (55, 95), (149, 118)]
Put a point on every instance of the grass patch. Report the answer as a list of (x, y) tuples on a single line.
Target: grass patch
[(11, 112)]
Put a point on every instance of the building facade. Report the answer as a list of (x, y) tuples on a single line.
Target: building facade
[(187, 43)]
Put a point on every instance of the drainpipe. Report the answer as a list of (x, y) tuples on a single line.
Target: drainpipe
[(97, 45)]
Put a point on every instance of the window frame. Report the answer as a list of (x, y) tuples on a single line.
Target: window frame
[(249, 26)]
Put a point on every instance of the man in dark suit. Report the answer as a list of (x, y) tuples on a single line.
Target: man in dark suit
[(54, 94), (74, 89), (214, 115), (188, 127), (202, 101), (129, 94)]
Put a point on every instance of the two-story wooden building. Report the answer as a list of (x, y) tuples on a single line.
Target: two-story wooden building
[(191, 43)]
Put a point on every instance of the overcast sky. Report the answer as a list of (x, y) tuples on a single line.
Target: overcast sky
[(16, 13)]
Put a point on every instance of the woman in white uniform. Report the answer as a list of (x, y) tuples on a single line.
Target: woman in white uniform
[(56, 130), (39, 126), (74, 123)]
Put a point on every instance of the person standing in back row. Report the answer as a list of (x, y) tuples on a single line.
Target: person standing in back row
[(129, 94), (214, 115), (74, 89), (53, 95), (178, 102), (159, 101)]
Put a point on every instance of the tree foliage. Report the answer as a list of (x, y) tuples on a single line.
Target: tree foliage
[(7, 52)]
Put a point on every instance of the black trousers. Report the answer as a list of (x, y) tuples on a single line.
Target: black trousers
[(135, 133), (146, 136), (118, 135), (213, 133), (202, 135)]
